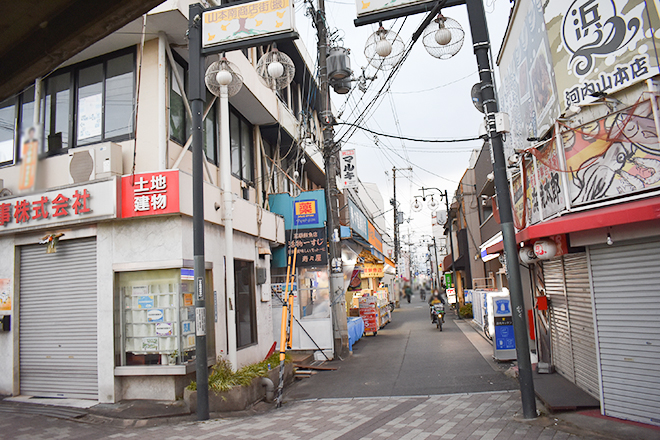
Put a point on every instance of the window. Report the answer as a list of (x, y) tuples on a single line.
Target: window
[(246, 320), (105, 100), (7, 127), (240, 134), (57, 107), (155, 317), (180, 123)]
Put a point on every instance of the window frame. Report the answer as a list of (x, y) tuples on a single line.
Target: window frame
[(252, 301), (243, 121)]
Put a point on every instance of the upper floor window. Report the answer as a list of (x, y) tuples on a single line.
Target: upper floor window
[(7, 129), (180, 123), (240, 134)]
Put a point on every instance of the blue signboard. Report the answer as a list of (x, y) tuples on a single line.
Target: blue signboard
[(145, 302), (358, 220), (305, 212)]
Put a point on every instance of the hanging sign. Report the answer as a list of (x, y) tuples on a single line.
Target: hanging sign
[(150, 194), (601, 46), (348, 172), (305, 212), (29, 155), (247, 21), (371, 270), (311, 244)]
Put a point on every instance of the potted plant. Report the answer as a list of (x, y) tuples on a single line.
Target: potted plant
[(172, 358)]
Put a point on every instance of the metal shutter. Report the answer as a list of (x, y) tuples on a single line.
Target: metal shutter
[(555, 289), (626, 286), (580, 313), (58, 320)]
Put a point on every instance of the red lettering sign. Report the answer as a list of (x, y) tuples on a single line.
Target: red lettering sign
[(150, 194)]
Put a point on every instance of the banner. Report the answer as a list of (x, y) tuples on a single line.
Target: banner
[(601, 46), (348, 173)]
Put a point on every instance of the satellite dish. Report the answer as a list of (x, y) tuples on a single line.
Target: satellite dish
[(384, 49), (218, 71), (276, 69), (477, 99)]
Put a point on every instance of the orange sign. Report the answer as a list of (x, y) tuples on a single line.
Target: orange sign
[(29, 156), (372, 270)]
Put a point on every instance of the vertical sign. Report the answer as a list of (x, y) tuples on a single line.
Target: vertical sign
[(348, 173), (5, 294), (29, 155)]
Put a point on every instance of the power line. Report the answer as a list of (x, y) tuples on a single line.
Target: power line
[(412, 139)]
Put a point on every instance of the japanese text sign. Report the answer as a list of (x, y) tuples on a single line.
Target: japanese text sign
[(373, 6), (371, 270), (246, 21), (601, 46), (305, 212), (311, 245), (348, 172), (150, 194), (358, 221), (73, 204)]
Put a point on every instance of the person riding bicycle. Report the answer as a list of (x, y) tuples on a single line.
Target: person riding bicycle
[(436, 298)]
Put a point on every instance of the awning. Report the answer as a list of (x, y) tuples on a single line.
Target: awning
[(612, 215), (458, 262)]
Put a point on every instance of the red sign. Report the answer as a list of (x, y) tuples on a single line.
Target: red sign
[(150, 194)]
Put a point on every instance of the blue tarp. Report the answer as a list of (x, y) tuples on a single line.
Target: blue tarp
[(355, 331)]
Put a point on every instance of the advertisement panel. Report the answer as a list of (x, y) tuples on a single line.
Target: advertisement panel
[(527, 93), (358, 221), (311, 245), (150, 194), (349, 177), (616, 155), (601, 46), (246, 21)]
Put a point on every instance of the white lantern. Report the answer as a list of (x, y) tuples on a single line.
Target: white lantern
[(383, 48), (443, 36), (223, 77), (545, 249), (275, 69), (527, 255)]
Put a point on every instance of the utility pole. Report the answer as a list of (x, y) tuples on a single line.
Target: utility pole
[(330, 152), (397, 241)]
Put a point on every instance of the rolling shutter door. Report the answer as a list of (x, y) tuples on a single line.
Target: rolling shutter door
[(580, 313), (562, 358), (626, 285), (58, 320)]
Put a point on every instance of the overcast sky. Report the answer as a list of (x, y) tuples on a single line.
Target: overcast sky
[(429, 97)]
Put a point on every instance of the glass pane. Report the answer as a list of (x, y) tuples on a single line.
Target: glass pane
[(56, 126), (235, 141), (90, 104), (119, 96), (246, 151), (245, 309), (177, 110), (27, 116), (7, 124)]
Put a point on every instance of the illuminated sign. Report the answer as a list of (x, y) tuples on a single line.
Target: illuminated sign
[(150, 194)]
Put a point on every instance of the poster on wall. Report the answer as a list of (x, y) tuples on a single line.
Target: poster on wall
[(5, 294), (616, 155), (527, 93), (601, 46)]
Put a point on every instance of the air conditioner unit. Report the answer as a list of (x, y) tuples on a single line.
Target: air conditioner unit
[(95, 162)]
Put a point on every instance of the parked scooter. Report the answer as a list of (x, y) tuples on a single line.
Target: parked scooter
[(438, 315)]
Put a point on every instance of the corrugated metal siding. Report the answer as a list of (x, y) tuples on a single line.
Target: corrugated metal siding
[(626, 284), (580, 312), (58, 320), (562, 351)]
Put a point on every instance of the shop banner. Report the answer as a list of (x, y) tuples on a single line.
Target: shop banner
[(370, 270), (612, 156), (601, 46), (91, 201), (246, 21), (358, 221), (29, 156), (305, 212), (5, 294), (375, 239), (527, 93), (150, 194), (311, 245), (349, 177)]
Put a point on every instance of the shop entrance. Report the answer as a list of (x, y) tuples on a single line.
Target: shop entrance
[(58, 320)]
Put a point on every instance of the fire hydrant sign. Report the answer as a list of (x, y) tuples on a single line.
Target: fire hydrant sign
[(150, 194)]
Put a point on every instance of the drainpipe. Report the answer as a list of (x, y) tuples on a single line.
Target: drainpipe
[(162, 101)]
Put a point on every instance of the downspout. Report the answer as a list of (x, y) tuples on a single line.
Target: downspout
[(162, 101)]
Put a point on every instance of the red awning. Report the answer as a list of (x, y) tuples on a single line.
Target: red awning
[(613, 215)]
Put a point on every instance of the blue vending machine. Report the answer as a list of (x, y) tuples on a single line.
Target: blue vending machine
[(501, 326)]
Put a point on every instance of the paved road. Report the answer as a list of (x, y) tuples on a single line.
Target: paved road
[(411, 357)]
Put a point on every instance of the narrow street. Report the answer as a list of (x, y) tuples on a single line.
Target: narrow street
[(410, 357)]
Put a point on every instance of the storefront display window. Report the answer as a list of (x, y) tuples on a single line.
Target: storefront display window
[(314, 293), (156, 317)]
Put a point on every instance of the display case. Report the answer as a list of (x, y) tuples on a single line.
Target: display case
[(157, 316)]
